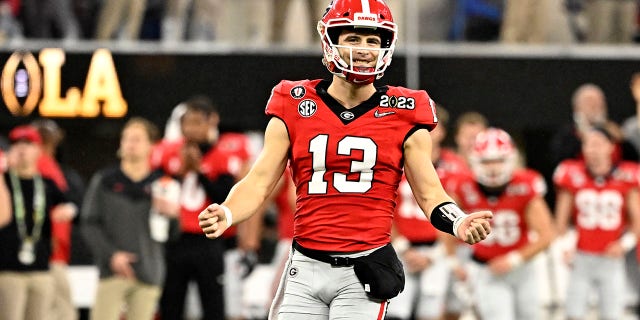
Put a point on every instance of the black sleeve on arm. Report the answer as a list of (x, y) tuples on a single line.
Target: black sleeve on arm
[(217, 190), (416, 128), (56, 195)]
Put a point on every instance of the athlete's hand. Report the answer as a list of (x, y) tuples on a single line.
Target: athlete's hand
[(567, 257), (64, 212), (614, 250), (191, 158), (475, 227), (500, 265), (213, 221), (416, 261)]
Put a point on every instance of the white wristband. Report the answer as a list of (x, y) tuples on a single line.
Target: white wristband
[(227, 215), (628, 241), (515, 259), (456, 223)]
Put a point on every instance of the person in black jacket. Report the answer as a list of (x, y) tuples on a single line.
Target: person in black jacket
[(118, 223)]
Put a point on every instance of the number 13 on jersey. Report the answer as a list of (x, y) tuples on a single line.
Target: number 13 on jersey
[(318, 147)]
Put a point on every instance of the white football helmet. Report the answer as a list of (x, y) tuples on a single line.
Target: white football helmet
[(493, 158)]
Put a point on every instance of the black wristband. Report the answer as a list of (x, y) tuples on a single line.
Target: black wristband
[(446, 217)]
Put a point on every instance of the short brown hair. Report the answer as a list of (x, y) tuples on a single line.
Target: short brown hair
[(471, 117), (152, 130)]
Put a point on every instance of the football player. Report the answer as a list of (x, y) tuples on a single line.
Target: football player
[(207, 163), (600, 195), (502, 268), (347, 142)]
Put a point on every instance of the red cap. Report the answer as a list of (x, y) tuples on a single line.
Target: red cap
[(25, 133)]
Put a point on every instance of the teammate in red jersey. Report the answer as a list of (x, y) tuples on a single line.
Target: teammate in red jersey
[(600, 196), (207, 164), (347, 142), (516, 197)]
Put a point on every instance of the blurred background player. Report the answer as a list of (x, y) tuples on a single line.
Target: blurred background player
[(26, 286), (589, 107), (61, 230), (207, 163), (117, 225), (599, 194), (504, 281), (467, 127), (416, 240)]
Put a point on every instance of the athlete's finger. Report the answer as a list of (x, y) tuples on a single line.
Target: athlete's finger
[(475, 234), (486, 225), (207, 223), (479, 229), (480, 215), (211, 227), (469, 236)]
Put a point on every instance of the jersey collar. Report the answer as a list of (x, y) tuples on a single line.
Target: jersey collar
[(345, 115)]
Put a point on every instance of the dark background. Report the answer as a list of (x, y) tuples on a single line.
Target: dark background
[(527, 96)]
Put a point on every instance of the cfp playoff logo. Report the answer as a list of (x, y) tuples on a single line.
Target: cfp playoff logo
[(22, 83)]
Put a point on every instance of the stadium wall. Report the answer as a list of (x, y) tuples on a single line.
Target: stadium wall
[(526, 90)]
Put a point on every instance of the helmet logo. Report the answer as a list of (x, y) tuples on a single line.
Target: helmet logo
[(298, 92), (365, 17), (307, 108)]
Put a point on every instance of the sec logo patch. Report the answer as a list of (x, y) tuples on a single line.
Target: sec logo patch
[(307, 108), (298, 92)]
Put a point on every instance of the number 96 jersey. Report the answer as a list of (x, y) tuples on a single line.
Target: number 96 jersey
[(347, 163), (509, 228)]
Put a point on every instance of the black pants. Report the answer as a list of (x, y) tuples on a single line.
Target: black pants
[(193, 258)]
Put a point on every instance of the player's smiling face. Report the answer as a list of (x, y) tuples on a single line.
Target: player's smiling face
[(360, 41)]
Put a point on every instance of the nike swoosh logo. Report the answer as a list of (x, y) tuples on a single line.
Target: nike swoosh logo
[(383, 114)]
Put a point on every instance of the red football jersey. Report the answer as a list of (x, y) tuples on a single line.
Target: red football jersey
[(450, 163), (227, 156), (347, 163), (509, 229), (409, 219), (599, 208)]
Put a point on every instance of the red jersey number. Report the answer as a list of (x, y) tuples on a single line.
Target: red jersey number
[(505, 230), (318, 149)]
